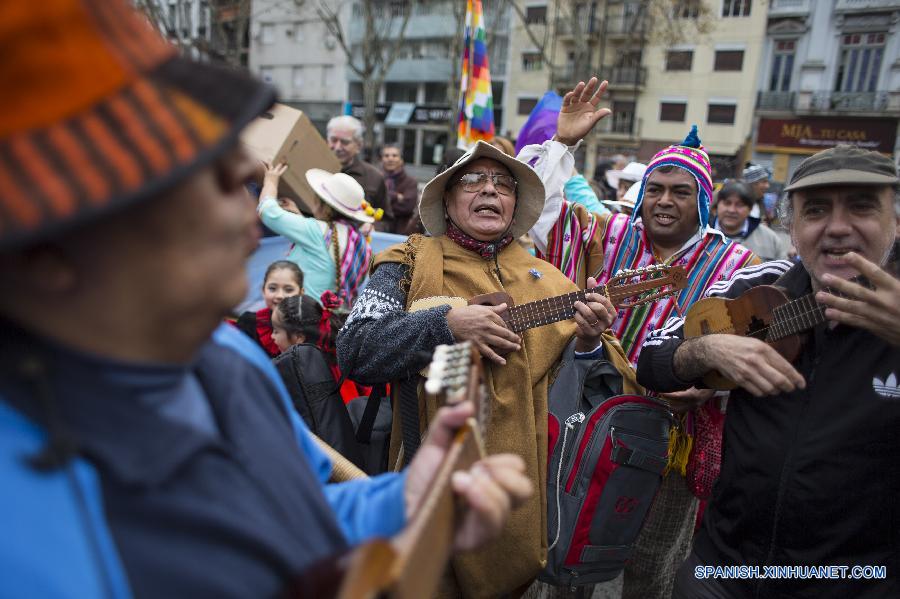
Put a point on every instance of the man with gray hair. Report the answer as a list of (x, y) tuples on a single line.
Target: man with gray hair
[(810, 474), (345, 138)]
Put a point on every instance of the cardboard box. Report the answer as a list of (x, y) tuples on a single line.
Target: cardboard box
[(285, 134)]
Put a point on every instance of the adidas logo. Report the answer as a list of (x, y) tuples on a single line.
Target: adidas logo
[(887, 388)]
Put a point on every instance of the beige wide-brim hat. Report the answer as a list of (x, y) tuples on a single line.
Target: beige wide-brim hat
[(340, 191), (529, 192), (629, 199), (633, 171)]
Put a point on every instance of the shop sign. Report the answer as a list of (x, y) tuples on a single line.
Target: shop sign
[(815, 134), (422, 114)]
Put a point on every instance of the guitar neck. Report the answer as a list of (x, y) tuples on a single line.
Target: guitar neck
[(546, 311), (562, 307), (425, 545), (794, 317)]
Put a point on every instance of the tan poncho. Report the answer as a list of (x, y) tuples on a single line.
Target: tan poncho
[(518, 392)]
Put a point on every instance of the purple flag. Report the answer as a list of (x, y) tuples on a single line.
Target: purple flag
[(541, 123)]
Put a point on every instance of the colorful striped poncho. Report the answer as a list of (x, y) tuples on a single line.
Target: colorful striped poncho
[(354, 262), (582, 244)]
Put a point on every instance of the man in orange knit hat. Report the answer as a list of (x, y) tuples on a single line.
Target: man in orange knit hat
[(145, 448)]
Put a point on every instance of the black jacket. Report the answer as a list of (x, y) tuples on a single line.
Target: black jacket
[(811, 477)]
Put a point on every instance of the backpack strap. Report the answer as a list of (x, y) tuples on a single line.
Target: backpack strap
[(409, 417), (367, 423)]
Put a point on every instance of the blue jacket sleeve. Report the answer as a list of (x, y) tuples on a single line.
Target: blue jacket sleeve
[(578, 190), (364, 508)]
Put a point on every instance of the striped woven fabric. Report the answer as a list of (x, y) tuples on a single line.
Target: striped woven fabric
[(354, 264), (98, 112), (568, 241), (710, 259)]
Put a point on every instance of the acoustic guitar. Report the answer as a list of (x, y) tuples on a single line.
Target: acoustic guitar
[(763, 312), (627, 289), (410, 565)]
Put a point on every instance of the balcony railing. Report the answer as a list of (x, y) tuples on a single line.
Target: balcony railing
[(590, 27), (625, 25), (775, 101), (785, 8), (850, 101), (863, 5), (617, 125), (636, 76)]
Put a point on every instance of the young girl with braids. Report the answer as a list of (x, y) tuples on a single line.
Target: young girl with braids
[(283, 279), (331, 248), (301, 319)]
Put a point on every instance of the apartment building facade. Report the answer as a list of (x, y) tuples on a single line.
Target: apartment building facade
[(830, 74), (417, 103), (708, 79), (290, 47), (657, 90)]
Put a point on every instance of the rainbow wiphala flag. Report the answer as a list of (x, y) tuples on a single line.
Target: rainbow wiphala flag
[(476, 106)]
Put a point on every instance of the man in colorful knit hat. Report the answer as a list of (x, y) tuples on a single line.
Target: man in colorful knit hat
[(146, 448), (668, 226)]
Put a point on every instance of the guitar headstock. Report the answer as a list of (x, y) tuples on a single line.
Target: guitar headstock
[(630, 288), (455, 375)]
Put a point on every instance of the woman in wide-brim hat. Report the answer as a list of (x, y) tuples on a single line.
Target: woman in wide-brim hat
[(329, 247)]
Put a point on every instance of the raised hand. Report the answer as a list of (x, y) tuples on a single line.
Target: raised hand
[(579, 112), (270, 180), (483, 326), (876, 311)]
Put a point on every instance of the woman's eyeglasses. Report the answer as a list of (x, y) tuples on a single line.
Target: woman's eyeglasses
[(504, 184)]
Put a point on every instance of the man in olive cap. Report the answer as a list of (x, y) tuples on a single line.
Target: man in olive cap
[(810, 475)]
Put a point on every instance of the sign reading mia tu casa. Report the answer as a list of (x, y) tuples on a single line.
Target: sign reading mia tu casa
[(817, 134)]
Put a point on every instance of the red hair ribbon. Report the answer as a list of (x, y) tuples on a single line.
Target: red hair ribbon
[(330, 302)]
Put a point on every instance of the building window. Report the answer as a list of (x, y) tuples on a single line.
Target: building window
[(623, 117), (532, 61), (203, 25), (679, 60), (400, 92), (297, 77), (267, 34), (355, 91), (736, 8), (861, 56), (721, 114), (782, 66), (526, 105), (536, 15), (436, 93), (729, 60), (327, 71), (433, 145), (672, 111), (398, 8), (686, 9), (295, 31)]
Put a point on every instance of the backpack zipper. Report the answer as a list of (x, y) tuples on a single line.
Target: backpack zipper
[(569, 425)]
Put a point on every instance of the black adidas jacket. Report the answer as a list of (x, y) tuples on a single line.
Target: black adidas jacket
[(811, 477)]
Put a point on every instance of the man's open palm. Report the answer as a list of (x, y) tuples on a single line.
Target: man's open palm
[(579, 112)]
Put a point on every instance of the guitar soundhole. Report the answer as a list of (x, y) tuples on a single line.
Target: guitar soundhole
[(757, 328)]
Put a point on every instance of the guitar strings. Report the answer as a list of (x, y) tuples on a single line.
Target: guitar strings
[(820, 310)]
